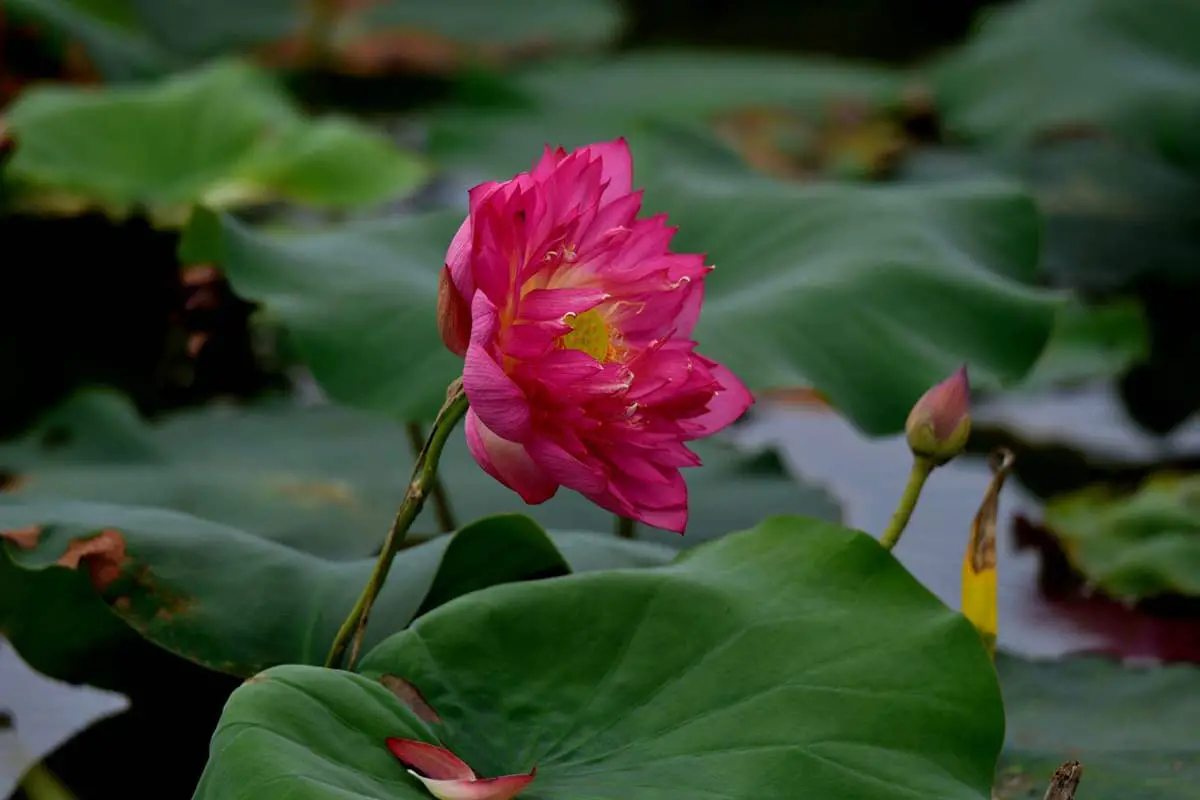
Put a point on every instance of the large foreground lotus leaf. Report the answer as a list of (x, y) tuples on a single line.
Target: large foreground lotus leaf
[(794, 660), (327, 480), (1133, 546), (223, 134), (1133, 728), (235, 602), (903, 283), (1127, 66)]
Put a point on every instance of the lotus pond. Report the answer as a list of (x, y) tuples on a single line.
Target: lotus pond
[(583, 399)]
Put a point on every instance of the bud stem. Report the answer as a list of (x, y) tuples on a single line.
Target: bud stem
[(624, 527), (921, 468), (419, 488)]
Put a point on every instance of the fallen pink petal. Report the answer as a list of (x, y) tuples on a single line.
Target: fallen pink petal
[(575, 320), (448, 777)]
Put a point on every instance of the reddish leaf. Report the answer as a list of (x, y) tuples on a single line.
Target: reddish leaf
[(1164, 628), (24, 538)]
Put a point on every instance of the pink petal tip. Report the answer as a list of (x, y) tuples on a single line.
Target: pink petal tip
[(447, 777)]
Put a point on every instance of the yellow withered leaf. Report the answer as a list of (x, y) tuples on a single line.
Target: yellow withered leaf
[(979, 563)]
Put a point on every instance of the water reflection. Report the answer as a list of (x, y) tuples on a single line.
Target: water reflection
[(38, 714), (1091, 419)]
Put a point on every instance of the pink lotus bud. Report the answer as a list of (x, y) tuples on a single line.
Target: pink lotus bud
[(447, 777), (454, 316), (940, 423)]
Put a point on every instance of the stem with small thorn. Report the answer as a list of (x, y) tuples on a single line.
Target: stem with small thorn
[(441, 501), (424, 473), (921, 468)]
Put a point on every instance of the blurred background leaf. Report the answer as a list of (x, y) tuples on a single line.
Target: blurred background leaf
[(1037, 68), (325, 481), (135, 39), (1115, 215), (107, 34), (223, 135), (791, 305), (577, 101), (1091, 342), (1133, 546)]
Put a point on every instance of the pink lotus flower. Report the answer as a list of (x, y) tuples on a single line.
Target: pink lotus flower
[(447, 777), (576, 323)]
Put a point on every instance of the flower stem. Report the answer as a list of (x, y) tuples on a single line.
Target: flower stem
[(40, 783), (624, 527), (921, 468), (441, 501), (424, 473), (319, 30)]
